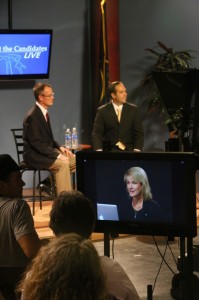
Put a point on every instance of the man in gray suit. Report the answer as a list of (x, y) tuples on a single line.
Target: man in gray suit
[(40, 148), (118, 123)]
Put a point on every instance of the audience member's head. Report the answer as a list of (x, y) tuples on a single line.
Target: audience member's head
[(66, 268), (72, 212), (1, 296), (11, 183)]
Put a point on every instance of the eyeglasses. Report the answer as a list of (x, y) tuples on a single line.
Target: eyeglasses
[(51, 95)]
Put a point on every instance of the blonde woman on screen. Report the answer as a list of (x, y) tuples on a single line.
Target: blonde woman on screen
[(141, 206)]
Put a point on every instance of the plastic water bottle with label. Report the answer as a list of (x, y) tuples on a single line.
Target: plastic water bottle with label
[(74, 138), (68, 139)]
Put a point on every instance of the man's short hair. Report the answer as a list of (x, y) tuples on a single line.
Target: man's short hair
[(112, 88), (39, 88), (72, 212)]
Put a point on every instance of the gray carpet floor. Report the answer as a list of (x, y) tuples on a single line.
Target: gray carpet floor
[(140, 258)]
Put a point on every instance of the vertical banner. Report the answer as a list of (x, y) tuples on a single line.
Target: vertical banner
[(112, 31), (104, 49), (103, 56)]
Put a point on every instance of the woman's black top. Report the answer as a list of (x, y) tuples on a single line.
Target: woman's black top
[(150, 211)]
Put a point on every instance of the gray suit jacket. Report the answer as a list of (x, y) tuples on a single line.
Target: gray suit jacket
[(40, 148), (107, 128)]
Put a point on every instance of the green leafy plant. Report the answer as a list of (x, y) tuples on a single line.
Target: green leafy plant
[(168, 60)]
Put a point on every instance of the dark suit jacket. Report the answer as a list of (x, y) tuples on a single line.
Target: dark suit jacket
[(129, 131), (40, 148)]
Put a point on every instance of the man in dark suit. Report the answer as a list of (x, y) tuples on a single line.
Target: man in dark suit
[(40, 148), (118, 123)]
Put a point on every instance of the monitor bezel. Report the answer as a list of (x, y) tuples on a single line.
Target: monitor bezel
[(189, 226), (30, 76)]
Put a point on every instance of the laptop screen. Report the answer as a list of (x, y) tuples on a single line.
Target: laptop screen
[(107, 212)]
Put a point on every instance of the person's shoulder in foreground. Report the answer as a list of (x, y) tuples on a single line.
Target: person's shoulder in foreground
[(18, 239), (73, 212), (118, 282), (18, 230)]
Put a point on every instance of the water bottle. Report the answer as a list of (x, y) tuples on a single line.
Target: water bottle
[(68, 144), (74, 138)]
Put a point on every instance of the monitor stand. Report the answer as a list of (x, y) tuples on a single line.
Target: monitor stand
[(185, 284), (107, 244)]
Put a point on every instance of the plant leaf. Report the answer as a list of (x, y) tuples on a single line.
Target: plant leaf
[(165, 48)]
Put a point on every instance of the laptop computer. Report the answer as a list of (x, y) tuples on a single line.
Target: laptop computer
[(107, 212)]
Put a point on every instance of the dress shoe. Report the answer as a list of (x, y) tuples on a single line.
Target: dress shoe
[(45, 188)]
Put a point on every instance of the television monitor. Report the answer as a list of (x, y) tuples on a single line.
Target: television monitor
[(171, 176), (25, 54)]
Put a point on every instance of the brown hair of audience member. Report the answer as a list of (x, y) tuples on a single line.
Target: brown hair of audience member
[(72, 212), (68, 267)]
